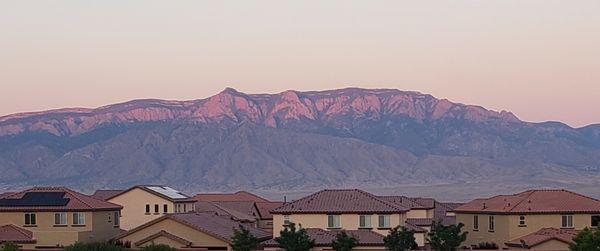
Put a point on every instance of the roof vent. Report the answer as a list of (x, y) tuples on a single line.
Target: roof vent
[(484, 207)]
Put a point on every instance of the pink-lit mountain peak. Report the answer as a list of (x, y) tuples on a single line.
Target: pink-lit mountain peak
[(272, 110)]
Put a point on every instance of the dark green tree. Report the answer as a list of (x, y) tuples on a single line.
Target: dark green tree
[(243, 240), (292, 239), (158, 247), (9, 246), (586, 240), (446, 238), (94, 246), (400, 239), (344, 242)]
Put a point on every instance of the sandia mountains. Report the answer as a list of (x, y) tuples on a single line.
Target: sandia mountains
[(375, 139)]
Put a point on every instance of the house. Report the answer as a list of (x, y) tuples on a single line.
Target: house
[(367, 240), (194, 231), (242, 205), (51, 217), (549, 239), (348, 209), (505, 218), (144, 203)]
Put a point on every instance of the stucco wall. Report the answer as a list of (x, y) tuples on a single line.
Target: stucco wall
[(198, 239), (134, 203), (507, 226), (96, 228), (347, 221)]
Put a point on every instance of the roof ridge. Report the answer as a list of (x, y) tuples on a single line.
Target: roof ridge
[(76, 196), (17, 228), (531, 192), (383, 201)]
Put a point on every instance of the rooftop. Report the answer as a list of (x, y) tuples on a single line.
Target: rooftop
[(105, 194), (209, 223), (164, 192), (340, 201), (534, 201), (543, 235), (53, 199), (12, 233)]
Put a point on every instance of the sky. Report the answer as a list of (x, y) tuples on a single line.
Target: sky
[(539, 59)]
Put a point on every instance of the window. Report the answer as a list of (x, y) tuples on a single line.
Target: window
[(491, 226), (475, 222), (147, 208), (567, 221), (155, 208), (60, 219), (30, 219), (185, 208), (384, 221), (116, 215), (333, 221), (165, 208), (178, 209), (522, 222), (595, 220), (286, 220), (364, 221), (79, 219)]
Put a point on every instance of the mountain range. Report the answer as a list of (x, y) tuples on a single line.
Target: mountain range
[(375, 139)]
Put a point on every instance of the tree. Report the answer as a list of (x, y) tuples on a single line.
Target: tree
[(344, 242), (93, 246), (446, 238), (586, 240), (243, 240), (291, 239), (400, 239), (159, 247), (9, 246)]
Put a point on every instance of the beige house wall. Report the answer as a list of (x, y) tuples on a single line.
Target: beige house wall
[(134, 204), (417, 214), (347, 221), (198, 239), (507, 226), (96, 228)]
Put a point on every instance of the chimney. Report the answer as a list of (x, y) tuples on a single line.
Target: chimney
[(284, 199)]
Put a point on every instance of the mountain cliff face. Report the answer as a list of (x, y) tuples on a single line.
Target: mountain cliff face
[(293, 140)]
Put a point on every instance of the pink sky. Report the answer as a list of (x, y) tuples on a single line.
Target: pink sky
[(539, 59)]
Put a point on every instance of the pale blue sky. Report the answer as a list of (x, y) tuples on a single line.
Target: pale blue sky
[(539, 59)]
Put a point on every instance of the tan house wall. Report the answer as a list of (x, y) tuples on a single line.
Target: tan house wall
[(507, 226), (198, 239), (347, 221), (96, 228), (417, 214), (134, 203)]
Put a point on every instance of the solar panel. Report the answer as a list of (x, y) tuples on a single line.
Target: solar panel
[(167, 191), (37, 199)]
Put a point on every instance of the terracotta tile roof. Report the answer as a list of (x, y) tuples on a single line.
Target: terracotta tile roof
[(264, 208), (425, 202), (216, 207), (105, 194), (404, 202), (2, 195), (543, 235), (340, 201), (74, 201), (12, 233), (164, 192), (217, 226), (237, 196), (323, 237), (534, 201)]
